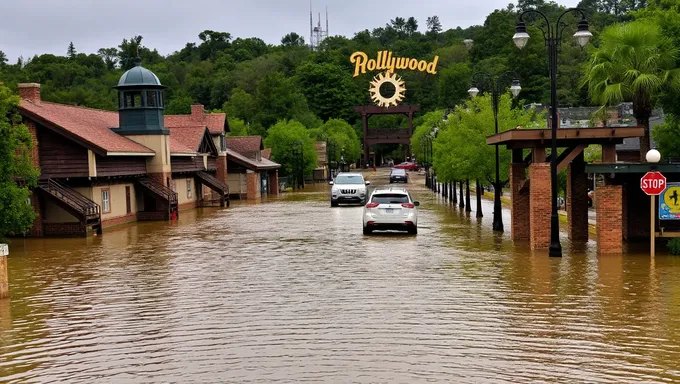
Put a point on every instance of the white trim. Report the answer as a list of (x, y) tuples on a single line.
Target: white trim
[(130, 154), (183, 154)]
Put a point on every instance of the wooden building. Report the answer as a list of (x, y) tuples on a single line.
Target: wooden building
[(251, 176), (102, 168)]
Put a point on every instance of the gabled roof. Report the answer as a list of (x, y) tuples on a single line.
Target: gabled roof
[(216, 122), (254, 164), (188, 140), (266, 153), (89, 127), (245, 144)]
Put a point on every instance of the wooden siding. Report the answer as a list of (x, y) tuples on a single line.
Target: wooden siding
[(186, 164), (212, 163), (120, 166), (60, 157)]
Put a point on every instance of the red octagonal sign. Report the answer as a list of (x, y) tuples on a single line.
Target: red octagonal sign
[(653, 183)]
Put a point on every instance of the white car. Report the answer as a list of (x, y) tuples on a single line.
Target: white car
[(349, 187), (391, 209)]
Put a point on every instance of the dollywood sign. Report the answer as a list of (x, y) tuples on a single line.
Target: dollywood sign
[(385, 61)]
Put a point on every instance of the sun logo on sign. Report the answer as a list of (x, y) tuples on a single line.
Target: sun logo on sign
[(387, 78)]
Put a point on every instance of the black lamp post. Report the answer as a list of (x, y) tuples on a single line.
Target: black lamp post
[(482, 78), (553, 39)]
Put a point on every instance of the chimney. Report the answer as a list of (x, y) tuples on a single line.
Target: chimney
[(197, 112), (30, 92)]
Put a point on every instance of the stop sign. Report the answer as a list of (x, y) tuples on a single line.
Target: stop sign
[(653, 183)]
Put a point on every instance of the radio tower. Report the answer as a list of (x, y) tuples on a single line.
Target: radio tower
[(316, 34)]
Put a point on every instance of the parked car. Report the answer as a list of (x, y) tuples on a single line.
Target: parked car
[(391, 209), (348, 188), (408, 165), (398, 175)]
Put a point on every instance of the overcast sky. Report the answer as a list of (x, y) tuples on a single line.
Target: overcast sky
[(32, 27)]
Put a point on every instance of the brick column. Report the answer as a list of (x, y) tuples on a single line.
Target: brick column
[(251, 182), (274, 182), (539, 205), (577, 199), (222, 168), (609, 199), (519, 219)]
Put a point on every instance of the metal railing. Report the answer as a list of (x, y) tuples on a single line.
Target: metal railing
[(159, 189), (73, 199)]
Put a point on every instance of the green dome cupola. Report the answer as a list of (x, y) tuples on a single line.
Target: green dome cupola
[(140, 102)]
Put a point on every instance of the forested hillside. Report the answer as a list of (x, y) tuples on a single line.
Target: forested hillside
[(261, 84)]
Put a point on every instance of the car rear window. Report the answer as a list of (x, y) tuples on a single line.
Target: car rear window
[(390, 198), (398, 171)]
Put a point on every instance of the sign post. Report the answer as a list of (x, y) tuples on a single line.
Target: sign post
[(652, 183), (4, 281)]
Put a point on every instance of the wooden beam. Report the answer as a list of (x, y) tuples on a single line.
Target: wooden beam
[(569, 157), (582, 135)]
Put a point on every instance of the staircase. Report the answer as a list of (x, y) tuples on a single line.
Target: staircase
[(216, 185), (161, 191), (73, 202)]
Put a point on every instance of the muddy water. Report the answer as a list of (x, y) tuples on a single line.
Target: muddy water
[(290, 290)]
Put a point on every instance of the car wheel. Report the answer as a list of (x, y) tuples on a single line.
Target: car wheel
[(391, 181), (367, 231), (334, 203), (413, 231)]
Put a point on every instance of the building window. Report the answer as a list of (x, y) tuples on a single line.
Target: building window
[(189, 191), (106, 200), (151, 100), (132, 99), (160, 99)]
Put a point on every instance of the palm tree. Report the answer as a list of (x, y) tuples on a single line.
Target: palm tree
[(634, 62)]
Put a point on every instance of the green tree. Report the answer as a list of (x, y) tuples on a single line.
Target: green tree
[(341, 136), (17, 173), (292, 40), (71, 51), (285, 138), (109, 56), (434, 26), (237, 127), (278, 98), (460, 149), (430, 121), (634, 62), (330, 90), (3, 59)]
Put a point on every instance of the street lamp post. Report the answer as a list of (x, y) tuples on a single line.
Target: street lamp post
[(482, 78), (553, 38)]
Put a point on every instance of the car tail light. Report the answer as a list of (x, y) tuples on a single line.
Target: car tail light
[(372, 205), (408, 205)]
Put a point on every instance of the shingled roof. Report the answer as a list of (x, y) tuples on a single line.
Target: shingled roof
[(90, 127), (216, 122), (254, 164), (245, 144), (187, 140)]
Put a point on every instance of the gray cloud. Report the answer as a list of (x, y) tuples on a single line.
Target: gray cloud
[(32, 27)]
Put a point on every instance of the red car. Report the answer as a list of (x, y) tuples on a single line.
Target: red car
[(408, 166)]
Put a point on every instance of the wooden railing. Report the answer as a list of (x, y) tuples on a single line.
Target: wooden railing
[(80, 203), (213, 182), (159, 189)]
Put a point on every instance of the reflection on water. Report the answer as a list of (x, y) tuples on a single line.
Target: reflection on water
[(290, 290)]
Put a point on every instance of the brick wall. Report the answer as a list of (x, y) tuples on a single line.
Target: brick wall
[(153, 216), (222, 169), (119, 220), (253, 185), (161, 177), (65, 229), (609, 199), (30, 91), (577, 200), (188, 205), (519, 220), (539, 206), (274, 182)]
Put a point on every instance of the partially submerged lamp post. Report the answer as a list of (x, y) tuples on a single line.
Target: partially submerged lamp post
[(553, 39), (483, 78)]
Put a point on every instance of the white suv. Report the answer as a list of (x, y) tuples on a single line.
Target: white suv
[(349, 188), (391, 208)]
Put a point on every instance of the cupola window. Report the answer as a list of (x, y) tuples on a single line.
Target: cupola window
[(151, 99), (132, 99)]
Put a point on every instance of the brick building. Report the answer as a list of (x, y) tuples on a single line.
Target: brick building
[(251, 174), (101, 168)]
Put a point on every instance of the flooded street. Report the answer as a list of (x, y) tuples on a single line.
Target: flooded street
[(291, 290)]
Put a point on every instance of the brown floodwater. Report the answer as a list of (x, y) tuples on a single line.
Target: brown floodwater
[(291, 290)]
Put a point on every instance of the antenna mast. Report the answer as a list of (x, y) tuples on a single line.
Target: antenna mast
[(317, 34)]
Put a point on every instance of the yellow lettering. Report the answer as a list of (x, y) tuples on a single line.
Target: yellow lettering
[(422, 64), (378, 61), (402, 63), (413, 64), (390, 62), (432, 66), (360, 58), (371, 65)]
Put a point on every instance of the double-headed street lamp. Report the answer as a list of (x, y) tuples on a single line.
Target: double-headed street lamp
[(553, 39), (484, 79)]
